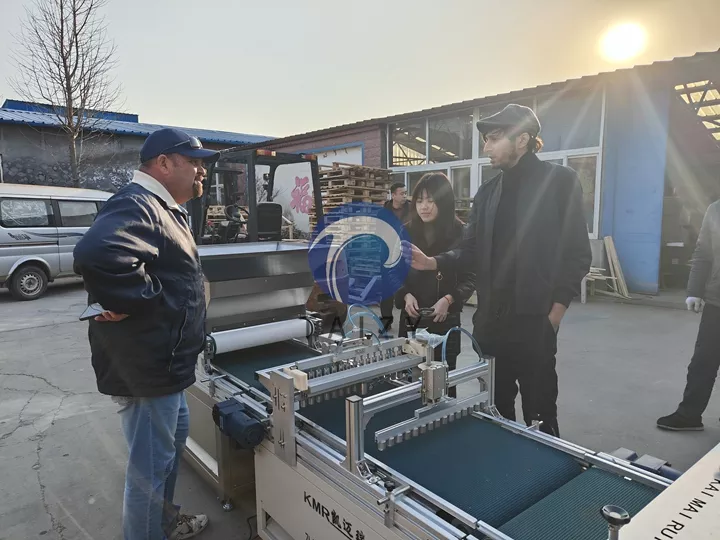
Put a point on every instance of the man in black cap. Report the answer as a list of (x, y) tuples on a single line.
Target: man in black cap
[(140, 263), (528, 241)]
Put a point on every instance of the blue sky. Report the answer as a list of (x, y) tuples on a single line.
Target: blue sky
[(290, 66)]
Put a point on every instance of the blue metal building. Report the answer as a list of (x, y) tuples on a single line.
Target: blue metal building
[(645, 143)]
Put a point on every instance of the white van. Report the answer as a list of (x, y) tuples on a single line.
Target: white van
[(39, 227)]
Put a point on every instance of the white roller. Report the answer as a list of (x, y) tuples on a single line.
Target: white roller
[(262, 334)]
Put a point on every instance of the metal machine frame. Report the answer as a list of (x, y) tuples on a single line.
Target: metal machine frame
[(306, 452)]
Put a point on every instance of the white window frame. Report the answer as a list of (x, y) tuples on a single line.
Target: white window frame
[(217, 185), (476, 162)]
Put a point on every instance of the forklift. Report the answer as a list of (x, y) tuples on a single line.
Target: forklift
[(250, 214)]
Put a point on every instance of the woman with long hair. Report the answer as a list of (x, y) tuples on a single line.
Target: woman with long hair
[(434, 228)]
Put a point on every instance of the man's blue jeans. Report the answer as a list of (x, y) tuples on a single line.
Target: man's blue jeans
[(156, 430)]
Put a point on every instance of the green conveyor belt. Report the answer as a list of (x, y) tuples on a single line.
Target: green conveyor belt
[(528, 490), (481, 468), (244, 363), (572, 512)]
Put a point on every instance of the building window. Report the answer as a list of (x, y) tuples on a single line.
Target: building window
[(450, 137), (18, 213), (571, 120), (413, 178), (77, 213), (215, 194), (571, 130), (586, 169), (460, 177), (409, 143)]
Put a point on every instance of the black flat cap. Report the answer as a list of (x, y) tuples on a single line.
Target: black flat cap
[(518, 118)]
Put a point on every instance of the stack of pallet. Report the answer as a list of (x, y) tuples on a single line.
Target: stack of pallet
[(342, 184)]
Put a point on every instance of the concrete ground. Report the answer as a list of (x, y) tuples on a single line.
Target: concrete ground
[(62, 455)]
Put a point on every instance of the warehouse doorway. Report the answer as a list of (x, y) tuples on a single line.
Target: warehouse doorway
[(692, 176)]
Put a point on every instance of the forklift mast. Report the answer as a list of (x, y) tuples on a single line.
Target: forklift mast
[(241, 164)]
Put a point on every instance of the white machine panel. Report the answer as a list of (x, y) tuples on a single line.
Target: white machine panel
[(308, 508), (687, 510)]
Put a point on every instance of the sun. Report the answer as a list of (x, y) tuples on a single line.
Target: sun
[(623, 42)]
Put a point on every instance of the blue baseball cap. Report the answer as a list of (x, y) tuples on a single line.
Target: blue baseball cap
[(173, 141)]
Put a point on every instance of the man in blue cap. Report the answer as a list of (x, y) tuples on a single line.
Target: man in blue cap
[(140, 263), (527, 240)]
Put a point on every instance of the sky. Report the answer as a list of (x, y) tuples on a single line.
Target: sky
[(291, 66)]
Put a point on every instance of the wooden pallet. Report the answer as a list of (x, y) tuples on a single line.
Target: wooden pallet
[(335, 201), (344, 229), (349, 169), (362, 245), (341, 181), (347, 181), (368, 274), (338, 202), (377, 193), (615, 268)]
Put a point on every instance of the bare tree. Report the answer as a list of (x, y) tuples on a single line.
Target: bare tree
[(64, 59)]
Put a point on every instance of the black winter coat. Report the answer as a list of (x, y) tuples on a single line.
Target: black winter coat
[(429, 286), (553, 249), (139, 258)]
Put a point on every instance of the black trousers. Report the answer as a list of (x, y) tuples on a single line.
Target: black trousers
[(524, 349), (703, 368), (386, 309)]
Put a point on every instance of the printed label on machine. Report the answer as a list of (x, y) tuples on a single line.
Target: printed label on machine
[(309, 510), (344, 526), (688, 509)]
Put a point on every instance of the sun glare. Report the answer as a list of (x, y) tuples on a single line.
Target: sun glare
[(623, 42)]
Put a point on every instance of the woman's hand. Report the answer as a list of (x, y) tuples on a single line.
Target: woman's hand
[(411, 305), (440, 310)]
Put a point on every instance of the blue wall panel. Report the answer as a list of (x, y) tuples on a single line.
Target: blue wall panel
[(636, 128)]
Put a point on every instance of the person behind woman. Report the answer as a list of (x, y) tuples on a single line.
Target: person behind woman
[(434, 228)]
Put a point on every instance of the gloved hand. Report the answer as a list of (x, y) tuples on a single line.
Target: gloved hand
[(693, 304)]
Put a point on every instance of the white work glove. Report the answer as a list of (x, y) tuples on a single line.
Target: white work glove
[(693, 304)]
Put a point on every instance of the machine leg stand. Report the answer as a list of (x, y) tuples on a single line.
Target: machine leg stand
[(616, 518)]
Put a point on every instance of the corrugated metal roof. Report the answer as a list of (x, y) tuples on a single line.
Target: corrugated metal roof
[(576, 83), (38, 119)]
